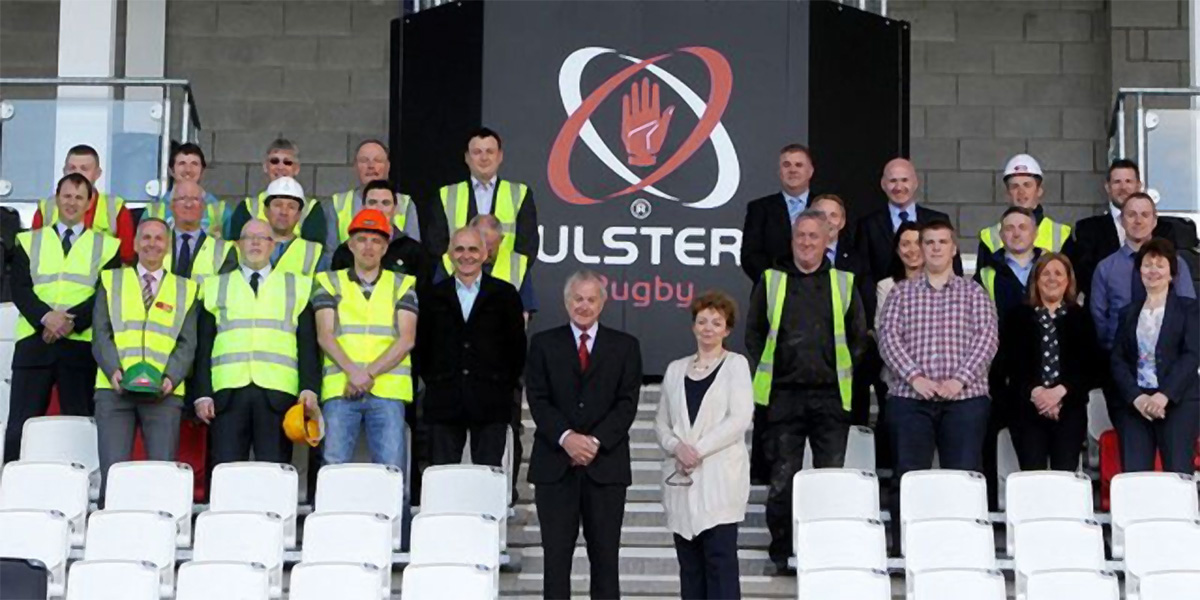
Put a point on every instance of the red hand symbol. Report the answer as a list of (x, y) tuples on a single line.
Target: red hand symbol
[(643, 127)]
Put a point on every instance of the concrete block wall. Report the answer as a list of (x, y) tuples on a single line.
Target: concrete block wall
[(1150, 45)]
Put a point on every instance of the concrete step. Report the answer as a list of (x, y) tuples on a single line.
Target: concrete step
[(643, 514), (631, 536), (645, 561), (528, 584)]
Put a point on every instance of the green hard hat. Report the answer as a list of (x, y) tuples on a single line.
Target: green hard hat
[(142, 378)]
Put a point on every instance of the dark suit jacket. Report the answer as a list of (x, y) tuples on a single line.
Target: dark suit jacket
[(32, 351), (1096, 237), (437, 234), (601, 402), (471, 368), (848, 259), (1177, 354), (766, 234), (873, 237), (1020, 359)]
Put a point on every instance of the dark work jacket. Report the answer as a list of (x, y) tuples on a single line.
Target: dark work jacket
[(766, 234), (1177, 354), (471, 367), (1010, 292), (1020, 359), (600, 402), (404, 255)]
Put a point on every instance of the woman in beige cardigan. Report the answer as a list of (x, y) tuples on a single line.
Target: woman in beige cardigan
[(706, 408)]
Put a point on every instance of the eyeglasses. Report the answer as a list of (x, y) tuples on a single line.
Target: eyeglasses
[(275, 160), (678, 479), (258, 238)]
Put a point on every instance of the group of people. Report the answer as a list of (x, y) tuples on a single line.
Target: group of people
[(247, 312)]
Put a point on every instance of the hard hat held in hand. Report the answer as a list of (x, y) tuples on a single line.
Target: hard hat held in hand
[(142, 378), (300, 428)]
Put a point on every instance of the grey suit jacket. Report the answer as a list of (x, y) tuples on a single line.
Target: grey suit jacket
[(104, 347)]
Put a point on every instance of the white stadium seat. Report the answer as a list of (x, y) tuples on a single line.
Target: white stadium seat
[(260, 487), (440, 581), (64, 440), (1140, 496), (959, 584), (1045, 495), (466, 489), (1006, 464), (835, 494), (48, 486), (350, 537), (1169, 585), (143, 536), (1054, 544), (1159, 545), (363, 488), (949, 544), (841, 544), (154, 485), (214, 580), (860, 450), (112, 580), (6, 355), (245, 536), (1097, 411), (343, 581), (1073, 584), (44, 535), (940, 494), (844, 584), (454, 538), (8, 322)]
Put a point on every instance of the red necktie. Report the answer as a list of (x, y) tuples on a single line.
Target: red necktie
[(584, 355)]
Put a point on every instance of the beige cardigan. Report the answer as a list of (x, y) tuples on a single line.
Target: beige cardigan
[(721, 484)]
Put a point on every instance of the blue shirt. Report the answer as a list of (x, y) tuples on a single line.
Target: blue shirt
[(485, 192), (1022, 272), (1113, 289), (466, 296), (894, 211), (795, 205)]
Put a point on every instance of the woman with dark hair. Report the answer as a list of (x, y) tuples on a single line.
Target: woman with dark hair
[(907, 261), (1154, 360), (1048, 348), (706, 407)]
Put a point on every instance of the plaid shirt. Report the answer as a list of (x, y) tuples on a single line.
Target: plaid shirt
[(939, 334)]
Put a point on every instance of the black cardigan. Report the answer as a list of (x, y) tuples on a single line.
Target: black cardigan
[(1021, 352)]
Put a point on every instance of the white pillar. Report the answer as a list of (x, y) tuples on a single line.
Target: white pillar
[(87, 33), (145, 56)]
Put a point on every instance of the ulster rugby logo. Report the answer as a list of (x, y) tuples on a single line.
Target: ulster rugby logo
[(645, 120)]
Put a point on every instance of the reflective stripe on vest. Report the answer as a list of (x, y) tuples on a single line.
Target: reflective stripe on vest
[(215, 215), (1050, 236), (300, 258), (257, 206), (987, 276), (365, 329), (64, 281), (256, 335), (108, 208), (142, 335), (208, 259), (506, 203), (510, 267), (343, 205), (841, 288)]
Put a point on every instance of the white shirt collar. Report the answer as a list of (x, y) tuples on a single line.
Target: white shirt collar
[(591, 331), (76, 230), (158, 275), (475, 182), (262, 273)]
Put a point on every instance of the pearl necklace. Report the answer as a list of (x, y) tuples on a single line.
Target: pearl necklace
[(704, 369)]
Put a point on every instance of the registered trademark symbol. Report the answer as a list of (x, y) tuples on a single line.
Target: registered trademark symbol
[(640, 208)]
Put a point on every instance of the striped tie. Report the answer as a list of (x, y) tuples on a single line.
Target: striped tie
[(148, 289)]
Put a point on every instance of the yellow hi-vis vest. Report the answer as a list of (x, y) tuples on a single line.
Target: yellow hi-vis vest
[(841, 286), (108, 208), (506, 203), (216, 215), (256, 335), (300, 258), (209, 258), (1050, 236), (257, 205), (142, 335), (343, 205), (365, 329), (987, 276), (64, 281), (510, 267)]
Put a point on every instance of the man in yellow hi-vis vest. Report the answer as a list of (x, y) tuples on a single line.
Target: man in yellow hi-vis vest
[(291, 254), (367, 326), (371, 163), (257, 355), (187, 166), (106, 213), (1023, 184), (54, 274), (807, 329), (485, 193), (404, 254), (144, 314), (282, 160), (193, 253)]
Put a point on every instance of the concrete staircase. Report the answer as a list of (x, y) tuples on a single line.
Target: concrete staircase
[(648, 564)]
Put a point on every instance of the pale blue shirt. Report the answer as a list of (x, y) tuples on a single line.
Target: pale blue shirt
[(466, 296), (894, 211), (795, 205), (485, 191), (1022, 272)]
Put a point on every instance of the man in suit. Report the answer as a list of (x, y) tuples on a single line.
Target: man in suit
[(472, 354), (1098, 236), (485, 193), (767, 232), (143, 313), (194, 253), (582, 382), (257, 353), (875, 231), (54, 274)]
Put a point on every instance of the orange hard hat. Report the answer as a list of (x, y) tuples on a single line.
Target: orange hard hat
[(369, 219)]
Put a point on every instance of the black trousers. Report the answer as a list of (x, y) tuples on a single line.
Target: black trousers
[(1173, 437), (518, 449), (797, 416), (1039, 440), (446, 441), (564, 505), (708, 564), (248, 422), (30, 397)]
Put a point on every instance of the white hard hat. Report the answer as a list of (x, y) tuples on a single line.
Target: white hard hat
[(1022, 164), (286, 187)]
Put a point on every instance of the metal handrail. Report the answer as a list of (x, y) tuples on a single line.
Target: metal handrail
[(1116, 126), (116, 81)]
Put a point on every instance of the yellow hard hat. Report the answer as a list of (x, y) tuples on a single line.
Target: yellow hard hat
[(300, 428)]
